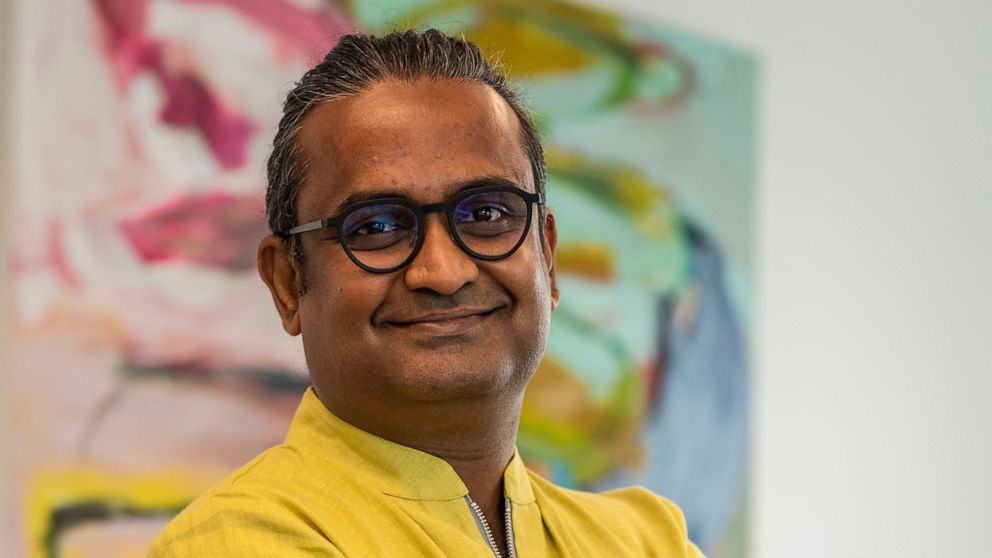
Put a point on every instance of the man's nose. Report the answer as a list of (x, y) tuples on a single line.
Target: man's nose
[(441, 265)]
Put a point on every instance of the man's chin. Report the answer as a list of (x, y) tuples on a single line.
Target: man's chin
[(442, 379)]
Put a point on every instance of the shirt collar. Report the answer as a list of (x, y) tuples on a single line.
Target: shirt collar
[(516, 481), (397, 470)]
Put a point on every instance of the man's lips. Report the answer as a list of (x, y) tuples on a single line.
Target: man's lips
[(449, 322)]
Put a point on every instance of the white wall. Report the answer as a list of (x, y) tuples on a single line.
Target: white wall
[(873, 378)]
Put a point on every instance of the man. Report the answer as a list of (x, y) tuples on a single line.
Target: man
[(412, 250)]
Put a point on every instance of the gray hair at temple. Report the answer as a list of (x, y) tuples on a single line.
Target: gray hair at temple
[(353, 66)]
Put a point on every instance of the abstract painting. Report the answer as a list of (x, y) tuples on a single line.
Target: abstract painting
[(145, 359)]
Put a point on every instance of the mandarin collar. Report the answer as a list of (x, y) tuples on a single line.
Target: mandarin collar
[(391, 468)]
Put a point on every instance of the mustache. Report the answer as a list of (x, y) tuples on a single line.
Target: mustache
[(424, 305)]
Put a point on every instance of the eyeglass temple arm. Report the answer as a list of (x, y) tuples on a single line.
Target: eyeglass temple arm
[(311, 226)]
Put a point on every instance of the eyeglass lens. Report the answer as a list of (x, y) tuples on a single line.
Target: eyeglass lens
[(486, 224)]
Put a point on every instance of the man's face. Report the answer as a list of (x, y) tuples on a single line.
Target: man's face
[(447, 326)]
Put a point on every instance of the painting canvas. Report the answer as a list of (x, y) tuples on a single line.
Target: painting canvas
[(145, 359)]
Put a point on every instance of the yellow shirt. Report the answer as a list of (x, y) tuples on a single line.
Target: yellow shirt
[(334, 490)]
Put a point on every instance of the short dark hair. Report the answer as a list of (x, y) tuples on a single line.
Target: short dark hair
[(354, 65)]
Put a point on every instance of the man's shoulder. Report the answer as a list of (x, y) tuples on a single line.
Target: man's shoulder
[(632, 500), (270, 469), (251, 512), (634, 514)]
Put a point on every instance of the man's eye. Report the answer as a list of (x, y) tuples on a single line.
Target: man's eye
[(487, 214), (376, 227)]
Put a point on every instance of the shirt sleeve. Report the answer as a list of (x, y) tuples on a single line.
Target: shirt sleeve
[(694, 552)]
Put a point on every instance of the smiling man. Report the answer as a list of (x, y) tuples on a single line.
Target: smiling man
[(413, 252)]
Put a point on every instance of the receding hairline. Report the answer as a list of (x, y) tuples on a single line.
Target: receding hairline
[(507, 114)]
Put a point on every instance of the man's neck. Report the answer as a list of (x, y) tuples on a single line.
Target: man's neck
[(482, 474), (477, 437)]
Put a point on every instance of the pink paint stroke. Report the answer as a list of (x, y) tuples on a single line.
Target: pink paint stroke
[(216, 229), (311, 32), (124, 24), (189, 100), (189, 103)]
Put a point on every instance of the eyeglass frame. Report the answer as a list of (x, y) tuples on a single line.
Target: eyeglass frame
[(420, 213)]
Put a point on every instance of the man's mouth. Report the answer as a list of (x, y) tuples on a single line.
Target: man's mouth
[(451, 322)]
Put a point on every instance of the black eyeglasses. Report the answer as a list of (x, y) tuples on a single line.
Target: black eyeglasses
[(381, 236)]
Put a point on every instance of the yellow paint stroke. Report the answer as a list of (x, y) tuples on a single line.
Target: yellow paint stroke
[(634, 191), (588, 260), (556, 395), (531, 37), (600, 22), (527, 49), (146, 491), (592, 437), (623, 188)]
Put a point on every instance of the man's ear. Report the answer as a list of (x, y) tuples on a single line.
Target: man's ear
[(280, 274), (550, 244)]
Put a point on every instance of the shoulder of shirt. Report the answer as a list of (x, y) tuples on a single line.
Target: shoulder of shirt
[(633, 512), (622, 503), (246, 514)]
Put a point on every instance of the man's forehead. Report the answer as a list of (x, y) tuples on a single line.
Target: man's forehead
[(426, 138), (391, 112)]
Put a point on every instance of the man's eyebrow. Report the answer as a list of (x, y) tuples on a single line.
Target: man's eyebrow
[(367, 195), (373, 194), (492, 180)]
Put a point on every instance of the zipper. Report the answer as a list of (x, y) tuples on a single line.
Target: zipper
[(511, 547), (487, 532)]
